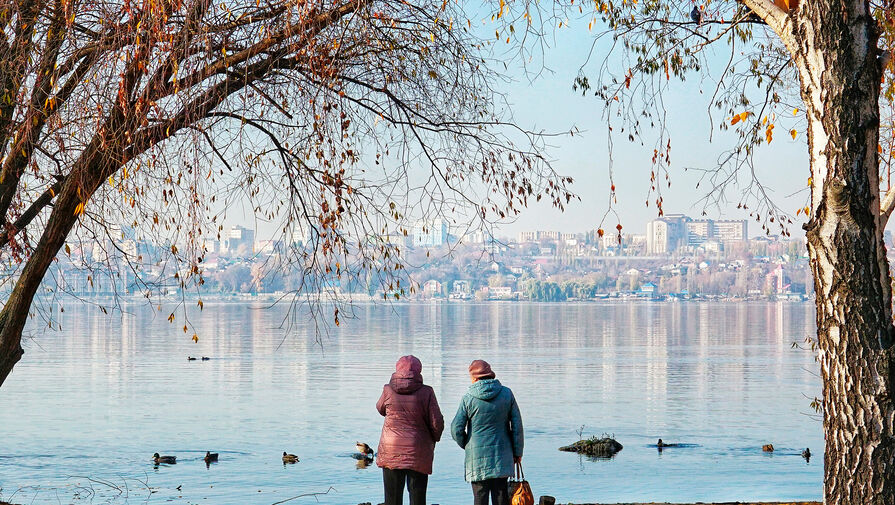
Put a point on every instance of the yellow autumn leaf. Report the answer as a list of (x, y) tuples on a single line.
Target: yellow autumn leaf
[(67, 250), (195, 338), (793, 133), (740, 117)]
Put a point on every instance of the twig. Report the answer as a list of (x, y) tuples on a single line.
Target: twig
[(305, 495)]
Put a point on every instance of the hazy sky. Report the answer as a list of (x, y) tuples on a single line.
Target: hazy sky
[(549, 103)]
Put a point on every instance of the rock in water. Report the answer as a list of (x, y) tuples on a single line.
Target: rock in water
[(604, 447)]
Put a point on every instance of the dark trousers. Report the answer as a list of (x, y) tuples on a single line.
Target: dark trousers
[(495, 488), (394, 480)]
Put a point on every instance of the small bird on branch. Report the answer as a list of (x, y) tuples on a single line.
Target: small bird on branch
[(696, 15)]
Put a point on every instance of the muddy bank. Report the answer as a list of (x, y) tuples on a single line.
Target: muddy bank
[(713, 503)]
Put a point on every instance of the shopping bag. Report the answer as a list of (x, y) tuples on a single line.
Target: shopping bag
[(522, 495)]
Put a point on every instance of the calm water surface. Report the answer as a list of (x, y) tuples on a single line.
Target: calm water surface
[(95, 400)]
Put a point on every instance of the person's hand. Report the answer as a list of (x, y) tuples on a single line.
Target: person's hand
[(517, 460)]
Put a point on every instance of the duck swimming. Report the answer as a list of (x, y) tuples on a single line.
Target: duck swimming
[(364, 451), (289, 458), (768, 448), (211, 457), (806, 454), (167, 460)]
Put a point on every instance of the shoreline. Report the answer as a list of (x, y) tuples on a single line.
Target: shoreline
[(707, 503)]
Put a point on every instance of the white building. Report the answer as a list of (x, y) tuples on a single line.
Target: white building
[(433, 233), (700, 230), (731, 230), (240, 241), (666, 234)]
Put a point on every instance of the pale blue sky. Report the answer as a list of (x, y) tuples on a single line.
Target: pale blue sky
[(549, 103)]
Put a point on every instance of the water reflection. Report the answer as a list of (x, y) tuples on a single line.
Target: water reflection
[(107, 392)]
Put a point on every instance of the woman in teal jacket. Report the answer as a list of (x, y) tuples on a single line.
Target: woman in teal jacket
[(488, 426)]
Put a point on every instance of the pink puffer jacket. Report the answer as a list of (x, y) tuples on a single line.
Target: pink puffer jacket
[(413, 421)]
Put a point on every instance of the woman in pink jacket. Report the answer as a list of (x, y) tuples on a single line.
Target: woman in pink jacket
[(413, 423)]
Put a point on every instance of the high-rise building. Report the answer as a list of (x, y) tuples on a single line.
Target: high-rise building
[(700, 230), (240, 241), (431, 233), (528, 236), (731, 230), (666, 234)]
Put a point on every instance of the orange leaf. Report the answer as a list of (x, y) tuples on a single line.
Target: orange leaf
[(740, 117), (793, 133)]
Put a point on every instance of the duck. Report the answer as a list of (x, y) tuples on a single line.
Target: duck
[(168, 460), (806, 454), (364, 451), (289, 458), (211, 457), (190, 358), (205, 358), (768, 448)]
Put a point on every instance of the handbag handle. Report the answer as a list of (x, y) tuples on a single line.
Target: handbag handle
[(520, 475)]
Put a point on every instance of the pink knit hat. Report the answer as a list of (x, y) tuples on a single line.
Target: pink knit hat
[(480, 369), (409, 363)]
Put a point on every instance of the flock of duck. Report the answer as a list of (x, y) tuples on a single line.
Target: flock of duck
[(363, 455), (766, 448)]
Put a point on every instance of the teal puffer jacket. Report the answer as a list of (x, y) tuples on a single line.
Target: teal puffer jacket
[(488, 426)]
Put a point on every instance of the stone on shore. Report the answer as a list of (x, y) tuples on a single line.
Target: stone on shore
[(604, 447)]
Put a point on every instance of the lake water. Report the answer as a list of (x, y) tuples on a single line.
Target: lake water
[(88, 405)]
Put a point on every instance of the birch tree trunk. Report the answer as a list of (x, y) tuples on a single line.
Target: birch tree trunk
[(834, 47)]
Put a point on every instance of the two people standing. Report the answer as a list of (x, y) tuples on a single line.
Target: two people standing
[(488, 426)]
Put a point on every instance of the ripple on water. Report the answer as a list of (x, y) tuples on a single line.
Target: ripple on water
[(721, 377)]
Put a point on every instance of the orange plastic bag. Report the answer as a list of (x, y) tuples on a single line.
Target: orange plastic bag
[(522, 495)]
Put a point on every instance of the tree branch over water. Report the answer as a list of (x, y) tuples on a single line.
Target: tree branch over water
[(342, 123)]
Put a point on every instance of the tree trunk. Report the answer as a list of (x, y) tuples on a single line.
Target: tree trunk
[(834, 46), (90, 171)]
